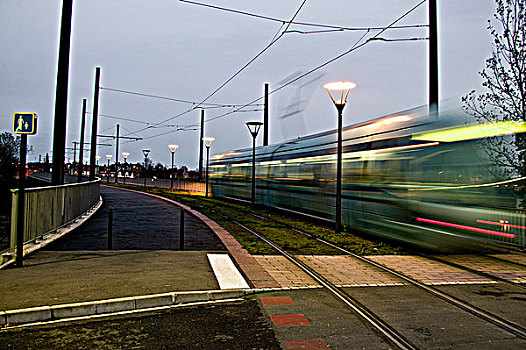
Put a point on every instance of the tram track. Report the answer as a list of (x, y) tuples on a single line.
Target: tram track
[(500, 322), (393, 335)]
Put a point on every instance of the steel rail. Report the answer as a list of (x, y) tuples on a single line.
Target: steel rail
[(502, 323), (387, 331)]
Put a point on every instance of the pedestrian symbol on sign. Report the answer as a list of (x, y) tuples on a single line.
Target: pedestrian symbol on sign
[(25, 123)]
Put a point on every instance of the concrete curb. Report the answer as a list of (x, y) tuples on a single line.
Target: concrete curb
[(110, 306)]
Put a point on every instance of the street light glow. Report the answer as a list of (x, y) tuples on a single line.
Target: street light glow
[(173, 148), (339, 86), (108, 156), (125, 154), (208, 141)]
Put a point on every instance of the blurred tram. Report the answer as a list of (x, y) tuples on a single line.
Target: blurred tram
[(432, 181)]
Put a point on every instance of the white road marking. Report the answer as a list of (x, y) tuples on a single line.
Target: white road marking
[(226, 273)]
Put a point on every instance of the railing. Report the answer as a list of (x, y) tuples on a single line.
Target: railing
[(49, 208), (178, 185)]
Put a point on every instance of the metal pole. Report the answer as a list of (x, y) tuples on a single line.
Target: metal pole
[(117, 156), (207, 162), (108, 172), (20, 224), (181, 231), (110, 228), (253, 198), (61, 95), (74, 153), (124, 177), (339, 171), (93, 150), (265, 118), (433, 58), (172, 174), (81, 151), (201, 145)]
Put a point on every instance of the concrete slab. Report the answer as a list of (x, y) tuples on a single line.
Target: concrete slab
[(50, 278)]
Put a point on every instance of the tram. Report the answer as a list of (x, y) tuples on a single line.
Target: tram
[(433, 181)]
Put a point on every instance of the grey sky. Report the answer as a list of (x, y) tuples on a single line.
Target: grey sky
[(179, 50)]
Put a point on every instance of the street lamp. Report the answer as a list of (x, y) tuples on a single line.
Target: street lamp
[(342, 88), (172, 148), (125, 156), (253, 127), (108, 156), (207, 142), (97, 158), (145, 152), (81, 169)]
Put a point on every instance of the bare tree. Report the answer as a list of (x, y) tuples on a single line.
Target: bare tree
[(504, 79)]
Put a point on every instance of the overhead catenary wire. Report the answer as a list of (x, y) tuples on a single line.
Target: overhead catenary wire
[(274, 19), (353, 48), (356, 46), (274, 40), (211, 105)]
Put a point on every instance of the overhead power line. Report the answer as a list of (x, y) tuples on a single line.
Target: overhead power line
[(356, 46), (274, 40), (306, 24), (353, 48), (212, 105)]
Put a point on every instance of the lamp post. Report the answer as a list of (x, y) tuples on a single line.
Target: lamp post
[(207, 142), (125, 156), (81, 169), (253, 127), (342, 88), (172, 148), (145, 152), (108, 156), (97, 158)]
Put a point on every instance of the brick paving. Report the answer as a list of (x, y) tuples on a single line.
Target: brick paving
[(346, 271), (428, 271), (501, 269), (516, 258), (285, 273)]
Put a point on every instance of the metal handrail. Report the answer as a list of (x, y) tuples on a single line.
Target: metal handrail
[(49, 208)]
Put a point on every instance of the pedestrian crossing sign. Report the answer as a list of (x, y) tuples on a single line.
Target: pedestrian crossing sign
[(25, 123)]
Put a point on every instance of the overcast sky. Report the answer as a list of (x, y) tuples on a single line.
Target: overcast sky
[(183, 51)]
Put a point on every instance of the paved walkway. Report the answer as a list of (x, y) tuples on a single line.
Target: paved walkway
[(146, 260), (139, 222)]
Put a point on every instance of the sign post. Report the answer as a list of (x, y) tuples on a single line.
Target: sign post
[(23, 124)]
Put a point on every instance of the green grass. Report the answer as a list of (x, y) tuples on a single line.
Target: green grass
[(224, 212)]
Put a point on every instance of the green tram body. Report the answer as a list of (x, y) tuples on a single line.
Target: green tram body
[(398, 181)]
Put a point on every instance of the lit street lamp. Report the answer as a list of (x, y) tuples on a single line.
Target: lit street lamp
[(108, 156), (207, 142), (125, 156), (342, 88), (172, 148), (254, 127)]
